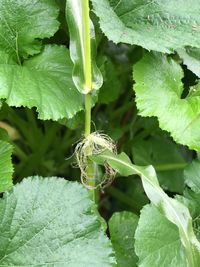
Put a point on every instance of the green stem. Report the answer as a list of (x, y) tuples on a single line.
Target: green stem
[(87, 63), (19, 152), (87, 115), (88, 86), (170, 167), (90, 167)]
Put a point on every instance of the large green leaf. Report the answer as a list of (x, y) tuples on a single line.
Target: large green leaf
[(192, 176), (155, 25), (122, 226), (4, 134), (43, 81), (86, 75), (191, 58), (169, 165), (6, 168), (191, 198), (157, 241), (173, 210), (192, 201), (51, 222), (110, 90), (23, 23), (158, 93)]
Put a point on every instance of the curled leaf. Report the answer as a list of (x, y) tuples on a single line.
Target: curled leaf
[(86, 75)]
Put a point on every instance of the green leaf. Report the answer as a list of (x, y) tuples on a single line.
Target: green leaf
[(122, 226), (6, 168), (158, 93), (82, 47), (51, 222), (155, 25), (157, 241), (191, 198), (192, 201), (192, 176), (23, 23), (74, 123), (169, 165), (173, 210), (43, 81), (110, 90), (4, 135), (191, 58)]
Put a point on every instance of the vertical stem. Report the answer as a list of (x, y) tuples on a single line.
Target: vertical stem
[(87, 63), (90, 167), (88, 84), (87, 114)]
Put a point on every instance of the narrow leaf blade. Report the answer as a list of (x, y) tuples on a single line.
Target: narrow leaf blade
[(173, 210)]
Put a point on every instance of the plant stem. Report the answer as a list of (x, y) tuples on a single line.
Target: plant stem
[(90, 167), (87, 63), (87, 114), (170, 167), (19, 152), (88, 86)]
